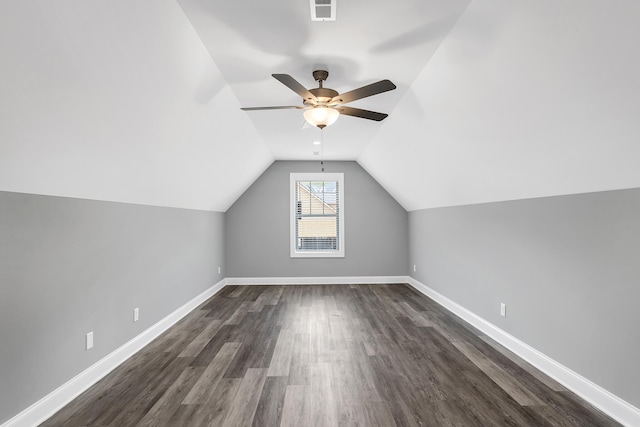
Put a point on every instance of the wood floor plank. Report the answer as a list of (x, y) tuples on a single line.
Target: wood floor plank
[(348, 390), (187, 415), (186, 323), (227, 333), (240, 313), (379, 415), (218, 403), (271, 403), (301, 358), (270, 296), (113, 390), (293, 411), (333, 331), (322, 403), (325, 355), (257, 350), (415, 316), (152, 390), (223, 307), (169, 403), (473, 395), (243, 406), (519, 393), (237, 292), (212, 374), (540, 376), (202, 339), (281, 359)]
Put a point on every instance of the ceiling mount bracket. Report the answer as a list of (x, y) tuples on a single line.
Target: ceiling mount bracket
[(320, 76)]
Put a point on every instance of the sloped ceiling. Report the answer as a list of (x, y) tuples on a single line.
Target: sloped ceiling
[(523, 99), (119, 101), (139, 101)]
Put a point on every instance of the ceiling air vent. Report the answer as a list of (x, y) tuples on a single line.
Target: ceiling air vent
[(323, 10)]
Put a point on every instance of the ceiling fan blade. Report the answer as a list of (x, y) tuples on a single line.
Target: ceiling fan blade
[(364, 114), (363, 92), (293, 84), (283, 107)]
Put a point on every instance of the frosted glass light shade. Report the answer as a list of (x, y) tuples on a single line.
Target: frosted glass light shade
[(321, 116)]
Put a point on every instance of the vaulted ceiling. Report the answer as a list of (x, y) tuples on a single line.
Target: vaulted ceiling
[(139, 102)]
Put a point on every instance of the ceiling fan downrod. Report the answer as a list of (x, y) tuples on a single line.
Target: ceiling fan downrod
[(320, 76)]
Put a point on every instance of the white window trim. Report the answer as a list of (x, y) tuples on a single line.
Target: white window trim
[(320, 176)]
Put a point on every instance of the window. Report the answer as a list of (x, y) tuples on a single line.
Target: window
[(317, 215)]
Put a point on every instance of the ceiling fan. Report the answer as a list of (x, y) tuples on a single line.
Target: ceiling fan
[(324, 105)]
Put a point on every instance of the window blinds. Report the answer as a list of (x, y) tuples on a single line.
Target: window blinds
[(317, 222)]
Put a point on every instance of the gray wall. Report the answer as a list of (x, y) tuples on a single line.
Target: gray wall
[(70, 266), (257, 228), (568, 269)]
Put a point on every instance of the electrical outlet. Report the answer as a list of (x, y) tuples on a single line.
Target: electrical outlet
[(414, 268), (136, 314), (89, 341), (503, 309), (219, 270)]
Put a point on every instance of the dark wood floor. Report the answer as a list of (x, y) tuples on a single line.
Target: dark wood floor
[(331, 355)]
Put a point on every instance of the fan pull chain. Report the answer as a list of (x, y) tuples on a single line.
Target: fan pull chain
[(322, 149)]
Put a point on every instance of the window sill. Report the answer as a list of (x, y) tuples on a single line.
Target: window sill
[(319, 254)]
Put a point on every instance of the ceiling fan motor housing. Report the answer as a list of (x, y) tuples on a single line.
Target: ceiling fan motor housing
[(323, 94)]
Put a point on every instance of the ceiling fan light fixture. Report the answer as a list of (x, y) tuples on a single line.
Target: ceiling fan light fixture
[(323, 105), (321, 116)]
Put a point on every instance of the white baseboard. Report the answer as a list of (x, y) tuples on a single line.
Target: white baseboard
[(607, 402), (612, 405), (57, 399), (344, 280)]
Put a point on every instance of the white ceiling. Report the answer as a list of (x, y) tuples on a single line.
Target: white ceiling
[(370, 41), (140, 101)]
